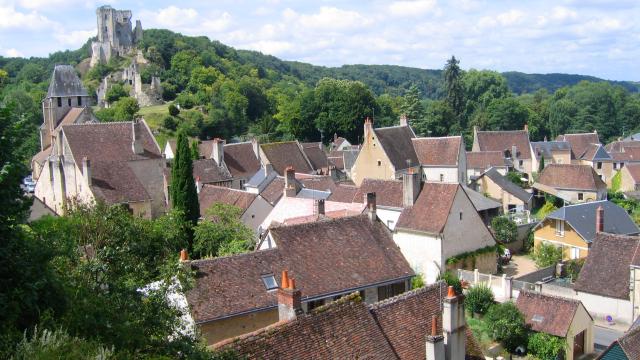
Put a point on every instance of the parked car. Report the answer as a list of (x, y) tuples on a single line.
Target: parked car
[(31, 188), (28, 181)]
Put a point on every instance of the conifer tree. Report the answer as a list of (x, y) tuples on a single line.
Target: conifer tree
[(453, 84), (411, 104), (183, 188), (541, 165)]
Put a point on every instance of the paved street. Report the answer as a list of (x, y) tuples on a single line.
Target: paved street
[(603, 336)]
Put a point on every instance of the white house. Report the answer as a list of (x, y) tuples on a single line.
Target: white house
[(442, 159)]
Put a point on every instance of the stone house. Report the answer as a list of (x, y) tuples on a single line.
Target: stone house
[(386, 153), (574, 227), (623, 152), (442, 159), (568, 320), (609, 282), (553, 152), (512, 197), (514, 145), (571, 183), (238, 294), (480, 161), (586, 149), (630, 178), (441, 224)]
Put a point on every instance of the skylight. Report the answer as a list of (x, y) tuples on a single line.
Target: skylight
[(537, 318), (269, 282)]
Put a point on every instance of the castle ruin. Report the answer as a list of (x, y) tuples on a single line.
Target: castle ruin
[(115, 34)]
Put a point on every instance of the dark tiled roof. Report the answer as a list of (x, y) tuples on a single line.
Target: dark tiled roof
[(507, 185), (630, 343), (322, 183), (573, 177), (435, 199), (209, 172), (606, 270), (211, 194), (405, 320), (241, 160), (397, 144), (284, 154), (481, 202), (536, 310), (582, 218), (388, 192), (274, 191), (115, 182), (579, 142), (504, 140), (343, 193), (486, 159), (547, 148), (440, 151), (232, 285), (65, 82), (317, 157)]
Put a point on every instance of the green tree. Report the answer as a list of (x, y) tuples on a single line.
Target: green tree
[(515, 177), (546, 347), (195, 150), (479, 299), (412, 105), (438, 118), (173, 110), (506, 114), (183, 188), (541, 164), (547, 255), (453, 86), (222, 233), (125, 109), (115, 93), (546, 209), (506, 324), (505, 229), (452, 280)]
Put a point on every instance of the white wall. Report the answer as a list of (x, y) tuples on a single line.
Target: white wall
[(422, 251), (600, 306), (389, 217), (256, 213), (432, 174)]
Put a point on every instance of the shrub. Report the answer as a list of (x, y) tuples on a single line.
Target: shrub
[(417, 281), (505, 230), (58, 344), (547, 255), (573, 268), (479, 298), (515, 177), (452, 280), (545, 347), (506, 324), (616, 181), (170, 123), (115, 93), (173, 110), (546, 209), (528, 242)]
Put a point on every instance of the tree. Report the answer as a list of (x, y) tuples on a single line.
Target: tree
[(547, 255), (115, 93), (170, 123), (505, 229), (541, 164), (183, 188), (453, 86), (412, 105), (506, 324), (546, 209), (506, 114), (479, 299), (173, 110), (515, 177), (452, 280), (125, 109), (546, 347), (221, 233)]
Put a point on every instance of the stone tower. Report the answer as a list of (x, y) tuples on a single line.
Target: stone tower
[(115, 34)]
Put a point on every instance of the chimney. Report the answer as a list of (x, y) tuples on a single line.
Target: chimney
[(86, 170), (453, 325), (136, 143), (368, 129), (370, 200), (290, 185), (256, 148), (218, 151), (319, 206), (435, 342), (600, 219), (184, 256), (198, 185), (410, 188), (526, 127), (403, 120), (289, 299)]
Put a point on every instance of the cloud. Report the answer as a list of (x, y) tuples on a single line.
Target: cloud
[(217, 24), (173, 16), (13, 53), (271, 47), (330, 18), (412, 8), (75, 38), (11, 18)]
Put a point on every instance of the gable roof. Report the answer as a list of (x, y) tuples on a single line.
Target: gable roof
[(211, 194), (436, 200), (582, 218), (284, 154), (507, 185), (316, 182), (232, 285), (65, 82), (438, 151), (344, 193), (486, 159), (535, 308), (274, 191), (572, 177), (241, 160), (295, 207), (504, 140), (579, 142), (620, 146), (209, 172), (606, 270), (115, 182), (72, 116), (481, 202), (629, 154), (634, 171), (388, 192), (547, 148), (396, 143), (595, 152)]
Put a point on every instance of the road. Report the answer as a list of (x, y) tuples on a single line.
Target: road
[(603, 337)]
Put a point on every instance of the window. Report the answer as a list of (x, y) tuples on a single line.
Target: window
[(460, 215), (269, 282), (391, 290), (599, 165), (390, 223), (424, 177), (575, 253), (559, 227), (441, 177), (59, 102), (79, 100), (580, 196), (379, 163), (520, 162), (69, 101)]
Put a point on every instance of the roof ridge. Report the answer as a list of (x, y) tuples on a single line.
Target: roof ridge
[(553, 296), (226, 188), (310, 224), (208, 260), (404, 295), (436, 137)]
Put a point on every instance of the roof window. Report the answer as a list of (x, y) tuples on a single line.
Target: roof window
[(537, 318), (269, 282)]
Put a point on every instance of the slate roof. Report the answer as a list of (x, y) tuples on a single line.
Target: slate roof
[(436, 200), (582, 218), (284, 154), (209, 172), (535, 308), (211, 194), (504, 140), (241, 161), (65, 82), (438, 151), (481, 202), (343, 193), (571, 177), (606, 270), (547, 148), (486, 159), (507, 185), (595, 152), (634, 171), (388, 192), (396, 143), (579, 142), (232, 285)]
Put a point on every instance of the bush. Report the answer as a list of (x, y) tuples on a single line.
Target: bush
[(479, 298), (58, 344), (170, 123), (173, 110), (417, 281), (506, 324), (115, 93), (546, 209), (515, 177), (452, 280), (545, 347), (547, 255), (125, 109), (505, 230), (528, 242), (573, 268)]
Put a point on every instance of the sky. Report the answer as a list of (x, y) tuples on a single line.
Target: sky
[(590, 37)]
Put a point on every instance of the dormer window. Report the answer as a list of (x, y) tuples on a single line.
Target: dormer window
[(269, 282), (59, 102)]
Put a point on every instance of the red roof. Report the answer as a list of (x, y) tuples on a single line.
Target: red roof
[(579, 142), (572, 177), (211, 194), (438, 151), (436, 200), (504, 140), (535, 308)]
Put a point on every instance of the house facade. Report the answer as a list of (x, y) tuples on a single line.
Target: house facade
[(442, 159), (480, 161), (512, 197), (630, 178), (572, 183), (553, 152), (514, 145)]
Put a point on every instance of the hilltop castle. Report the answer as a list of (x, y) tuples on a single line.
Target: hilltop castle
[(115, 34)]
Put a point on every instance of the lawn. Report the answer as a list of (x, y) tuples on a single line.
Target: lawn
[(154, 115)]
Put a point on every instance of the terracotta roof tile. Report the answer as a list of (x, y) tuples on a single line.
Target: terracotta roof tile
[(630, 154), (504, 140), (634, 171), (440, 151), (115, 182), (274, 191), (396, 142), (630, 343), (579, 142), (619, 146), (211, 194), (388, 192), (575, 177), (317, 182), (317, 157), (436, 200), (284, 154), (485, 159), (535, 308), (42, 156), (209, 172), (343, 193), (241, 160)]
